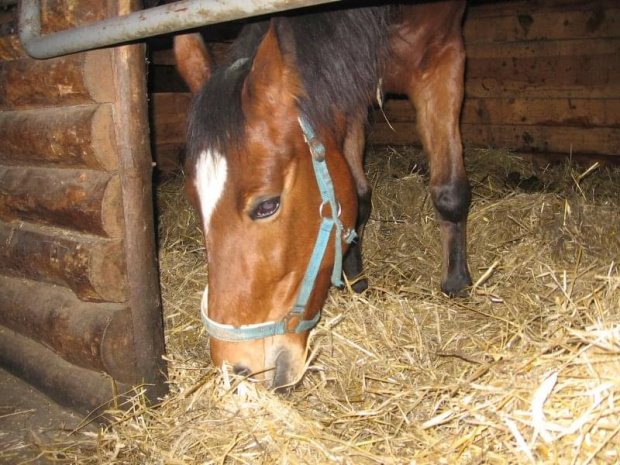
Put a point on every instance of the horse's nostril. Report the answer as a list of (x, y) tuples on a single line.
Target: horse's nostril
[(282, 375), (241, 370)]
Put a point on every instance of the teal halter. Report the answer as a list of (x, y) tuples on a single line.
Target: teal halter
[(231, 333)]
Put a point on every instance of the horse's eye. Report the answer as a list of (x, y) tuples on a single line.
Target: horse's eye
[(266, 208)]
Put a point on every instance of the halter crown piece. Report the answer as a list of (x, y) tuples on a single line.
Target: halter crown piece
[(231, 333)]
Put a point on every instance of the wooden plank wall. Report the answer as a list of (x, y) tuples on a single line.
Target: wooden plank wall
[(69, 322), (542, 76)]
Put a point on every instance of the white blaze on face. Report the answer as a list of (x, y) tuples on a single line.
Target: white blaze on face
[(211, 171)]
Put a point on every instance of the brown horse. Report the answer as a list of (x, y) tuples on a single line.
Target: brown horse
[(275, 163)]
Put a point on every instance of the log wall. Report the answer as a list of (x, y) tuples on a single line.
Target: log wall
[(78, 278), (542, 77)]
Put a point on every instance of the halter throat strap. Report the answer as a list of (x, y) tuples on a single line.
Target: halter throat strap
[(325, 184)]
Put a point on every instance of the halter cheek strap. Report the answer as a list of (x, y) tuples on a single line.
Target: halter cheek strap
[(324, 181)]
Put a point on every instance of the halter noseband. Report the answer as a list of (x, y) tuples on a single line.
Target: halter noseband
[(231, 333)]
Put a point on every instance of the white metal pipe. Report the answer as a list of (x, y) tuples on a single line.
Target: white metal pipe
[(173, 17)]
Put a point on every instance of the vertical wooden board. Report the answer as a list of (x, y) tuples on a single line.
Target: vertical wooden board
[(169, 117), (135, 168)]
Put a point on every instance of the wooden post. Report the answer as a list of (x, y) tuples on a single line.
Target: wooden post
[(135, 167)]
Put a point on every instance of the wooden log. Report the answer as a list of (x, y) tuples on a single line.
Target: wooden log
[(93, 336), (543, 25), (94, 268), (67, 384), (11, 48), (82, 200), (76, 137), (58, 15), (72, 80), (520, 111), (602, 141)]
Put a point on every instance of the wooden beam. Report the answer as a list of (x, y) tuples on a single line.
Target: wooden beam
[(539, 24), (520, 111), (602, 141)]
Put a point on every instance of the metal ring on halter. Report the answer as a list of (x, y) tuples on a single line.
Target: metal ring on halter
[(327, 202)]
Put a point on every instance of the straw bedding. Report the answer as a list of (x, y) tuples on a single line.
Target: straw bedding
[(525, 369)]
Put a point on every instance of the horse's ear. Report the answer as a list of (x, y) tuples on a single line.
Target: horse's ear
[(194, 62), (272, 78)]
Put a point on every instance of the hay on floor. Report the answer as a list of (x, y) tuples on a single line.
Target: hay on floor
[(525, 369)]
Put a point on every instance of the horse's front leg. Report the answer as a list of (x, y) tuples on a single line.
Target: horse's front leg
[(437, 94), (353, 149)]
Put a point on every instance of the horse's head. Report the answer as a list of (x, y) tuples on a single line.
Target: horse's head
[(258, 180)]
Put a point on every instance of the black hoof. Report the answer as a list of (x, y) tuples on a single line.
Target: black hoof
[(360, 285), (456, 286)]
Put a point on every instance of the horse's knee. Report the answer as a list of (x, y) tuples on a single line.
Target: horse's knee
[(451, 200)]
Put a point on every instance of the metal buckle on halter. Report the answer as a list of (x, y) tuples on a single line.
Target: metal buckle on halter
[(332, 217), (286, 321)]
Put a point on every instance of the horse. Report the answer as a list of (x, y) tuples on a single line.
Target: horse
[(275, 146)]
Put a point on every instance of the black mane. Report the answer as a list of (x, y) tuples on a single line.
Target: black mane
[(338, 56)]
